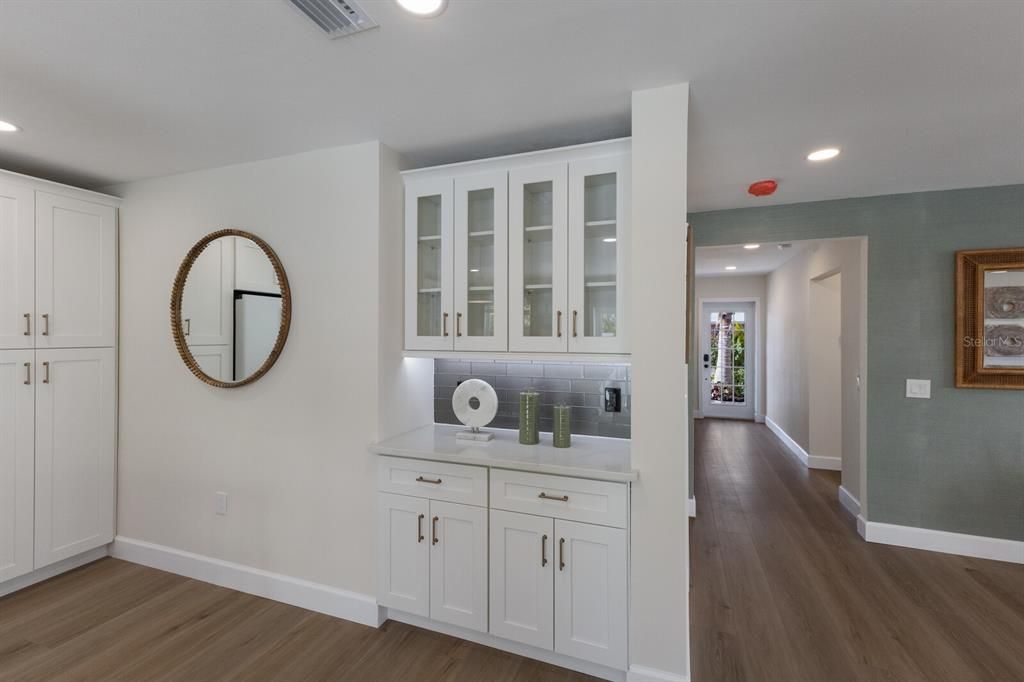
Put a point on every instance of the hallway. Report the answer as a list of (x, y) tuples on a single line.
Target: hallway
[(783, 588)]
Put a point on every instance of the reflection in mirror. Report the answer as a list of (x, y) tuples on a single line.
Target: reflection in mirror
[(231, 321), (1003, 308)]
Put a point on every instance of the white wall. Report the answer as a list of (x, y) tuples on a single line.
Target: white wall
[(739, 288), (825, 367), (290, 450), (788, 329), (659, 579)]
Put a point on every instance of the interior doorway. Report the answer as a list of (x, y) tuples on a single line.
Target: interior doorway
[(824, 366), (727, 358)]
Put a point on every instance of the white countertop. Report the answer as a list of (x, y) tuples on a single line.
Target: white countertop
[(606, 459)]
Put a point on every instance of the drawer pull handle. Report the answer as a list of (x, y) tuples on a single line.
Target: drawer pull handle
[(433, 530), (46, 372), (28, 324), (561, 554), (562, 498), (420, 479), (419, 528), (544, 550), (28, 374)]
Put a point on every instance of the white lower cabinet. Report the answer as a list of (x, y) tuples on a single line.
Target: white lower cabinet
[(522, 578), (403, 554), (17, 462)]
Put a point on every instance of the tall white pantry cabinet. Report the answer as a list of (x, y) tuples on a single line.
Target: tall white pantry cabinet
[(58, 374)]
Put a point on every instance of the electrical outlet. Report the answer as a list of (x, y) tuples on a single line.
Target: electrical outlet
[(919, 388), (222, 503), (613, 400)]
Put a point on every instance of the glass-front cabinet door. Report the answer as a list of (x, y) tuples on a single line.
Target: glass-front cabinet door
[(429, 282), (598, 255), (481, 262), (538, 237)]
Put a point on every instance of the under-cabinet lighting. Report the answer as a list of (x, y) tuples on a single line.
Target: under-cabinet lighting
[(6, 127), (423, 8), (730, 267), (823, 154), (751, 247), (609, 240)]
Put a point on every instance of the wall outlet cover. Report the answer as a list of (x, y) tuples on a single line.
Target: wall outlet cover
[(919, 388), (222, 503)]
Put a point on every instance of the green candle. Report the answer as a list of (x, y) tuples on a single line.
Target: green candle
[(562, 435), (529, 407)]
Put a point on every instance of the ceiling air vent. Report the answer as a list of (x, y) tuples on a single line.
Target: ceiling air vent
[(336, 18)]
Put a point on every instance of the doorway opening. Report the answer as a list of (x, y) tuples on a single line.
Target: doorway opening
[(727, 358)]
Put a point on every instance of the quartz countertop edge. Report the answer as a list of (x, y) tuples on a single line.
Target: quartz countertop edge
[(594, 457)]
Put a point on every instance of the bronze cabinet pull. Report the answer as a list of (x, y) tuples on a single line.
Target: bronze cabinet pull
[(419, 528), (557, 498), (188, 325), (544, 550), (574, 324), (420, 479), (433, 531), (28, 324), (444, 324), (46, 372), (559, 317), (458, 324), (46, 324), (561, 554), (28, 373)]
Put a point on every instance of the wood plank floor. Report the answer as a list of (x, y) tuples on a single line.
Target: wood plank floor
[(112, 620), (783, 588)]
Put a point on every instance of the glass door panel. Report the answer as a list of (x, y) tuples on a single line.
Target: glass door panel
[(481, 237), (727, 348), (428, 265)]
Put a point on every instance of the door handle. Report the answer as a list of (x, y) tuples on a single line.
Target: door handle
[(544, 550), (561, 554), (419, 528), (433, 531), (188, 325), (46, 324), (574, 334), (444, 324), (458, 324), (420, 479), (558, 316), (28, 373), (46, 372), (28, 324)]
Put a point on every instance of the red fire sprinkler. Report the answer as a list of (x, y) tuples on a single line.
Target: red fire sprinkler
[(763, 188)]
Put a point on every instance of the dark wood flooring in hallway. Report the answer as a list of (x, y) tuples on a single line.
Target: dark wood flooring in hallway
[(783, 588)]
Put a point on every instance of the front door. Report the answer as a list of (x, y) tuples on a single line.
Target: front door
[(727, 376)]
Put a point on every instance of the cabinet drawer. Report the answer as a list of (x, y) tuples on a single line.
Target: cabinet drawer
[(436, 480), (561, 497)]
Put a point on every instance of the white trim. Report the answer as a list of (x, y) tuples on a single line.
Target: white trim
[(862, 526), (41, 185), (691, 507), (697, 414), (360, 608), (810, 461), (544, 655), (587, 150), (47, 572), (640, 673), (849, 502), (759, 418), (978, 546), (501, 356)]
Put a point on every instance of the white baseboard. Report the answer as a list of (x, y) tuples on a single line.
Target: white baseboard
[(862, 526), (561, 660), (691, 507), (47, 572), (810, 461), (849, 502), (977, 546), (333, 601), (759, 418), (698, 414), (639, 673)]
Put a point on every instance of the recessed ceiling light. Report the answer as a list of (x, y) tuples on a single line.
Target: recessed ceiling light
[(823, 154), (730, 267), (423, 8), (474, 269), (609, 240), (6, 127), (751, 246)]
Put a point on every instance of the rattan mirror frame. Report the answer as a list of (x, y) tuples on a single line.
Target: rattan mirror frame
[(178, 291)]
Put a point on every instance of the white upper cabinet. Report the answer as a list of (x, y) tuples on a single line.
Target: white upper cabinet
[(17, 468), (17, 266), (429, 280), (207, 303), (76, 273), (599, 241), (481, 262), (538, 238)]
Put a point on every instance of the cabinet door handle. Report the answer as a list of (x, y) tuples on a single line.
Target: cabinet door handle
[(444, 324), (561, 554), (435, 481), (559, 318), (46, 372), (544, 550), (557, 498), (458, 324), (433, 531), (46, 324), (419, 529), (188, 325), (28, 324), (28, 373), (574, 334)]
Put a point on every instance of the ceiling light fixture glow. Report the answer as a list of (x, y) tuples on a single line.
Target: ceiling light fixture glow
[(423, 8), (730, 267), (6, 127), (823, 154), (751, 247), (609, 240)]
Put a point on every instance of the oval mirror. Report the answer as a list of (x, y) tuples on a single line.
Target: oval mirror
[(230, 308)]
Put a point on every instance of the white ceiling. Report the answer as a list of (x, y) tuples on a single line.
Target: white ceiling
[(920, 95), (711, 261)]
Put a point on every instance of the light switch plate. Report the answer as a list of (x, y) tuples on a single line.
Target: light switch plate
[(919, 388)]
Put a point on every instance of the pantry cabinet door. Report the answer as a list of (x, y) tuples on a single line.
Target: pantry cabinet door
[(429, 280), (76, 273), (403, 553), (522, 578), (17, 265), (17, 457), (458, 565), (75, 451)]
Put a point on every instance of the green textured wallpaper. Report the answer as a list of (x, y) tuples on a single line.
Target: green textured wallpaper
[(955, 462)]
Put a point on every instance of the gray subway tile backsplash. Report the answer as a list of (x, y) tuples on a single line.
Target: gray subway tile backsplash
[(576, 384)]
